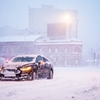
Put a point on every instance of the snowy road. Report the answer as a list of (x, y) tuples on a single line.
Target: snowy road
[(68, 84)]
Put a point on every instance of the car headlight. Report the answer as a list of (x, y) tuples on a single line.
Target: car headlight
[(0, 69), (26, 68)]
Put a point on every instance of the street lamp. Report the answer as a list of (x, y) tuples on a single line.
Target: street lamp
[(68, 18), (98, 52)]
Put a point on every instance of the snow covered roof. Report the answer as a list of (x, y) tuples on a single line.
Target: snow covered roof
[(73, 39), (9, 31), (19, 38), (58, 41)]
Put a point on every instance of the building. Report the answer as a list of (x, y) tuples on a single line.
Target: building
[(52, 32), (11, 46), (61, 52), (42, 18), (60, 34)]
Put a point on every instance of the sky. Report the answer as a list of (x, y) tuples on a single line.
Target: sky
[(14, 13)]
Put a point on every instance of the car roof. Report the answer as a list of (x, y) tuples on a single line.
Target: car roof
[(29, 55)]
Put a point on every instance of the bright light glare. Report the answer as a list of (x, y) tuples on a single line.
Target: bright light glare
[(67, 17), (26, 68), (0, 69)]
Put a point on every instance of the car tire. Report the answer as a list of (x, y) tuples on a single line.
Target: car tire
[(50, 76), (30, 76), (35, 75), (0, 79), (18, 79)]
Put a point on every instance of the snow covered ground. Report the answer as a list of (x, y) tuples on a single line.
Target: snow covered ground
[(80, 83)]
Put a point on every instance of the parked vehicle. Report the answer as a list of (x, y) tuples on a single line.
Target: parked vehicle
[(29, 67)]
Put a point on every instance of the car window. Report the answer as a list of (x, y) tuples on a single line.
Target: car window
[(23, 59), (39, 58), (44, 59)]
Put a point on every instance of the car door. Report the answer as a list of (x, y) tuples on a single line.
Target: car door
[(45, 61), (46, 65), (39, 61)]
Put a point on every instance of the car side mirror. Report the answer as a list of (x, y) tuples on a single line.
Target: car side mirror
[(6, 61), (40, 62)]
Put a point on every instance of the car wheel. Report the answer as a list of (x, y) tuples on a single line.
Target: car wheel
[(35, 75), (18, 79), (50, 76), (0, 79), (30, 76)]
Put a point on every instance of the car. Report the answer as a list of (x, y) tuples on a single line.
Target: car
[(27, 67)]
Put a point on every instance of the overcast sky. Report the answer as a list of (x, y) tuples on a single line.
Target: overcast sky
[(14, 13)]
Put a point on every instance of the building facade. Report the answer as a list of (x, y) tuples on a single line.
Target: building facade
[(61, 53), (57, 26), (11, 49), (56, 37), (41, 18)]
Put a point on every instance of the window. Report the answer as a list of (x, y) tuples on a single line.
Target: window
[(49, 50), (56, 50), (39, 58), (44, 59), (65, 50), (77, 50), (23, 59), (40, 50)]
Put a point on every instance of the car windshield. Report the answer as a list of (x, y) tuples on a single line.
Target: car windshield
[(23, 59)]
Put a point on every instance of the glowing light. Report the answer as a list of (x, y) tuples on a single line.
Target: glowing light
[(68, 18), (25, 68), (0, 69)]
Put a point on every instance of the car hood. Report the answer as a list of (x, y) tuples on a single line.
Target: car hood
[(12, 65)]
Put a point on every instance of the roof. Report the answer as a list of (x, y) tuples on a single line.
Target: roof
[(9, 31), (47, 41), (29, 55), (19, 38)]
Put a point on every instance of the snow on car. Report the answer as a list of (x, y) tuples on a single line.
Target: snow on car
[(28, 67)]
